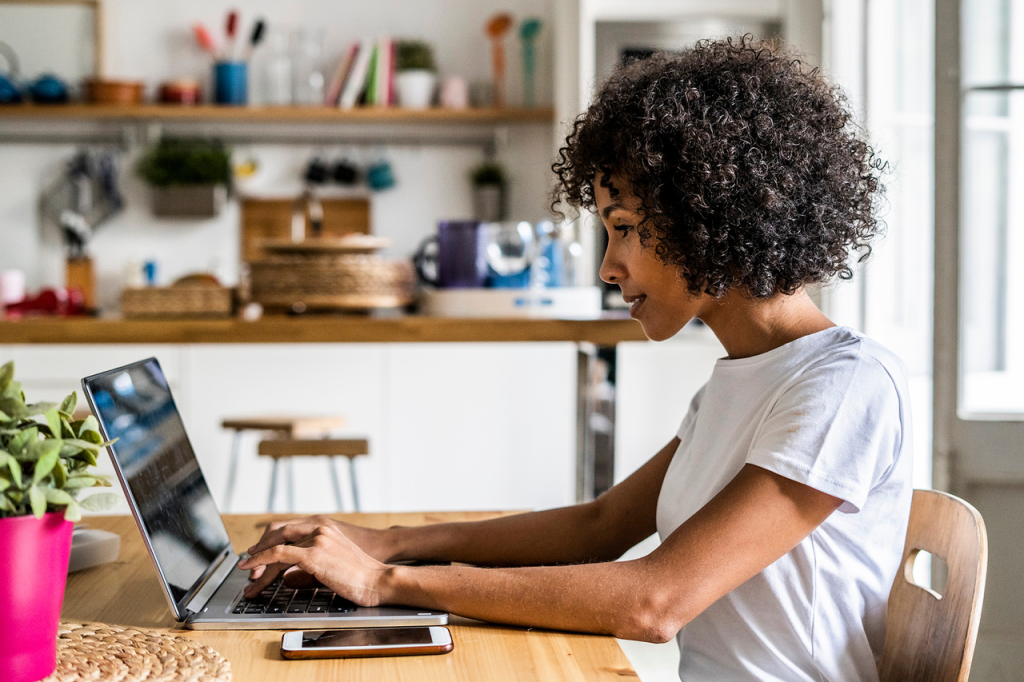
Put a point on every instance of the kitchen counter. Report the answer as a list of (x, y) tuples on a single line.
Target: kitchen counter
[(318, 329)]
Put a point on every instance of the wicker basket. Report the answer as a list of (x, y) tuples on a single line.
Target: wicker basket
[(327, 281), (177, 301)]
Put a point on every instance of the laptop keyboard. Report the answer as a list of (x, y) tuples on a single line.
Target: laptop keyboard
[(279, 598)]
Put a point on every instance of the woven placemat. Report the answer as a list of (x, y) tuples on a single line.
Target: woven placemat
[(112, 653)]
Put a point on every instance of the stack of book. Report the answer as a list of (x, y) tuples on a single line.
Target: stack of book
[(365, 75)]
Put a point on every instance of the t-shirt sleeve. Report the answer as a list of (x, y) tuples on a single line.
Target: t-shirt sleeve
[(836, 428)]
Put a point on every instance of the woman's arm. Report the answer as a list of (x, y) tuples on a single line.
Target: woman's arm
[(757, 518), (597, 531)]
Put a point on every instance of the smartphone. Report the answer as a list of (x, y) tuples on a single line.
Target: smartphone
[(362, 642)]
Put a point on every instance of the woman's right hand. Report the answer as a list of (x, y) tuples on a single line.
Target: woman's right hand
[(372, 541)]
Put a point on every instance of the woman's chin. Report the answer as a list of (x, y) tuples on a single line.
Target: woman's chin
[(659, 331)]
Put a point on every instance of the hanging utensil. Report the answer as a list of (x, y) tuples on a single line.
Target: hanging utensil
[(528, 31), (497, 26)]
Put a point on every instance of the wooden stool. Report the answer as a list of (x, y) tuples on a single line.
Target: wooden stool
[(282, 425), (287, 448)]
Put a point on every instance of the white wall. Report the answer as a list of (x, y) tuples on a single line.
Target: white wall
[(152, 42)]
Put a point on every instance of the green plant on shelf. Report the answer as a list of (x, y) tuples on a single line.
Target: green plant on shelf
[(415, 55), (177, 162), (488, 174), (45, 455)]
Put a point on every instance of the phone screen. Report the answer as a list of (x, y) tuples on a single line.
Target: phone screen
[(322, 639)]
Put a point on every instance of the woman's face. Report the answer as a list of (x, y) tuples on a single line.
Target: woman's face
[(657, 293)]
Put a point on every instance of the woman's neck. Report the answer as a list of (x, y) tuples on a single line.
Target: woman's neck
[(750, 326)]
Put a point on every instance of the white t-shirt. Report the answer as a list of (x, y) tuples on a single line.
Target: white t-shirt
[(829, 410)]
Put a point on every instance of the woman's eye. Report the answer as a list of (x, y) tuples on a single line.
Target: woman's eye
[(622, 229)]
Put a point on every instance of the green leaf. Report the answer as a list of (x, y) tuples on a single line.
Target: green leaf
[(6, 375), (84, 444), (76, 483), (18, 444), (67, 407), (39, 408), (4, 484), (86, 456), (53, 421), (65, 428), (57, 497), (4, 417), (73, 512), (44, 465), (89, 424), (60, 474), (6, 504), (37, 499), (101, 501), (12, 464)]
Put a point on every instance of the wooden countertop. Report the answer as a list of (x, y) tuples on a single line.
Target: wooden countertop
[(318, 329), (127, 593)]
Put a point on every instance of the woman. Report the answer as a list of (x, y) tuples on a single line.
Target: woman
[(728, 178)]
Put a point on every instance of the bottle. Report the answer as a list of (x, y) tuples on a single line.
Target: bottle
[(308, 76), (278, 80)]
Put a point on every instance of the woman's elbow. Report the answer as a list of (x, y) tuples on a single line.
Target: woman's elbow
[(652, 619)]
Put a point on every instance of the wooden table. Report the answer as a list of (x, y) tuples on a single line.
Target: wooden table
[(127, 592)]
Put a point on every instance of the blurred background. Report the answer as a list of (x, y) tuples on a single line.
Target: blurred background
[(396, 117)]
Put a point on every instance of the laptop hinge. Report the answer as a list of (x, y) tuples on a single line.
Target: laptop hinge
[(203, 595)]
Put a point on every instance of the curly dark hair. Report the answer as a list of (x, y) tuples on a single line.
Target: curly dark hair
[(750, 171)]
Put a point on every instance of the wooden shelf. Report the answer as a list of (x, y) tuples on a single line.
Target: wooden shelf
[(319, 329), (277, 114)]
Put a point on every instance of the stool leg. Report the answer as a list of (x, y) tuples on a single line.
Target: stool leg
[(352, 480), (337, 484), (291, 484), (236, 444), (273, 487)]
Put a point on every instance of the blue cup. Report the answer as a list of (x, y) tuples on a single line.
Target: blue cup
[(230, 83)]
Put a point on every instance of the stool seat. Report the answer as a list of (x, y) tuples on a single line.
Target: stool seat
[(296, 436), (294, 426), (317, 447)]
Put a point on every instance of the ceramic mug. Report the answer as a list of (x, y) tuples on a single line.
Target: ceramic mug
[(457, 255)]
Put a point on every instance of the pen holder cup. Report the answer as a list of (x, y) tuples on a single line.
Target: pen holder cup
[(230, 83)]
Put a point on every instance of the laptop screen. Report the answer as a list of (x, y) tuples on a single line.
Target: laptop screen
[(160, 470)]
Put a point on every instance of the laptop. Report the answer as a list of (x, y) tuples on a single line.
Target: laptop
[(183, 530)]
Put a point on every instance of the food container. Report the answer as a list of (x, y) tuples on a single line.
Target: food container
[(330, 274), (179, 300), (103, 91)]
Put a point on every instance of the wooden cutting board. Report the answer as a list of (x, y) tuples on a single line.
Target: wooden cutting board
[(264, 219)]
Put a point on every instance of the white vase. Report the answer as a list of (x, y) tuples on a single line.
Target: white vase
[(415, 88)]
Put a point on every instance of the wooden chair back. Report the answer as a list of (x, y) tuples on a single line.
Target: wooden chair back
[(931, 637)]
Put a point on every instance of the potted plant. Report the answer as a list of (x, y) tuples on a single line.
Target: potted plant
[(189, 177), (416, 77), (45, 455), (489, 184)]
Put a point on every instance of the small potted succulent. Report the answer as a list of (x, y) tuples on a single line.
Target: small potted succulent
[(189, 177), (489, 185), (416, 74), (45, 455)]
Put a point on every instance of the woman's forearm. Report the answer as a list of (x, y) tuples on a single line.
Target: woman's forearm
[(569, 535), (602, 598)]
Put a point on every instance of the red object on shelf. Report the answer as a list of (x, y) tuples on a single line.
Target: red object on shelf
[(181, 92), (60, 302)]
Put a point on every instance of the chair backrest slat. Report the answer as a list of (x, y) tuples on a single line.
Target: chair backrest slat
[(930, 637)]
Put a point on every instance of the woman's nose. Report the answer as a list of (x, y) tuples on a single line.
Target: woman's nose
[(612, 270)]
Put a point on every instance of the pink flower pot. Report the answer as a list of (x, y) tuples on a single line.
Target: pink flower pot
[(34, 557)]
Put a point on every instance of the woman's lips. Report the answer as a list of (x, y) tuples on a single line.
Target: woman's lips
[(635, 305)]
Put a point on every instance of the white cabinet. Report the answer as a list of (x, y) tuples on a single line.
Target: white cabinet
[(451, 426)]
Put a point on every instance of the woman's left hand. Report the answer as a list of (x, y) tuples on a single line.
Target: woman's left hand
[(326, 555)]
